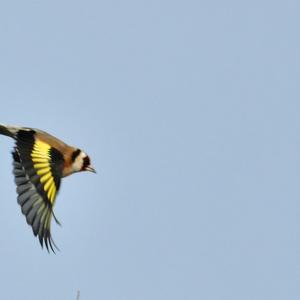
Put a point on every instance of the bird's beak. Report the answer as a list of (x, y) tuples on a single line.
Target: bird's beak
[(90, 169)]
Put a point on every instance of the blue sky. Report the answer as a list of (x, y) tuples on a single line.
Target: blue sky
[(190, 113)]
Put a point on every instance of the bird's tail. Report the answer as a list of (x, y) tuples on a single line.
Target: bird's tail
[(10, 131)]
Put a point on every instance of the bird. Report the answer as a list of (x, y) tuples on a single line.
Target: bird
[(40, 161)]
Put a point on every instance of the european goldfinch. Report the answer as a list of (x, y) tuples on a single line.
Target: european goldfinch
[(40, 160)]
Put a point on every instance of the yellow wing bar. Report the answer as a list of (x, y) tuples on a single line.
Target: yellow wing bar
[(41, 159)]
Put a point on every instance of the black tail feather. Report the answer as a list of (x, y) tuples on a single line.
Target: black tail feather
[(4, 130)]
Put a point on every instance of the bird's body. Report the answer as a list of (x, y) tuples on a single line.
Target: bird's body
[(40, 161)]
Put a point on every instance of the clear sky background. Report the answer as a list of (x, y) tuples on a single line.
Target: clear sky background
[(190, 113)]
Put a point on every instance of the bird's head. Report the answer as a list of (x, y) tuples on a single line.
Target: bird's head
[(81, 162)]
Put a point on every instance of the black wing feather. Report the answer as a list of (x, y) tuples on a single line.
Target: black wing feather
[(32, 197)]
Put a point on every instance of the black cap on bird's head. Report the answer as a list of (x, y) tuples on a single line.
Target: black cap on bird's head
[(81, 162)]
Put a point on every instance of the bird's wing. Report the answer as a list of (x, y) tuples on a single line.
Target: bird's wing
[(38, 171)]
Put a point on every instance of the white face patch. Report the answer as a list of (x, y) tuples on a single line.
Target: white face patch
[(78, 163)]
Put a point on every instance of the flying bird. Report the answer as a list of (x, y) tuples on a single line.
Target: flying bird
[(40, 161)]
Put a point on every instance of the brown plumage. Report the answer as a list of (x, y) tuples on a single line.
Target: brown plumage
[(40, 160), (62, 147)]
